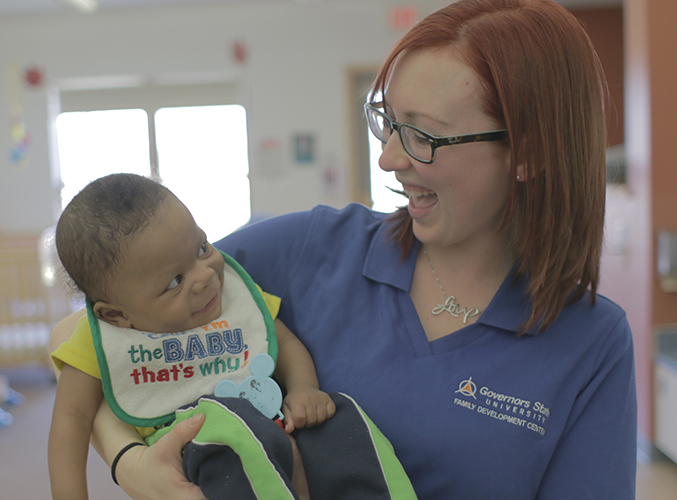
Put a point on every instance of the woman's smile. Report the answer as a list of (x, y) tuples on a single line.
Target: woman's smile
[(421, 200)]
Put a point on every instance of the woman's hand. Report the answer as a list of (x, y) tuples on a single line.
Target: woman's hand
[(298, 480), (156, 472)]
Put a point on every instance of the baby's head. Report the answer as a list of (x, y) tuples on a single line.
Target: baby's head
[(135, 251), (98, 224)]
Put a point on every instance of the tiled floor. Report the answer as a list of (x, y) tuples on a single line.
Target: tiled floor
[(656, 480), (23, 445), (23, 451)]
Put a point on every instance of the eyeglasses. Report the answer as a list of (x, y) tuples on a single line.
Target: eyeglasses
[(419, 144)]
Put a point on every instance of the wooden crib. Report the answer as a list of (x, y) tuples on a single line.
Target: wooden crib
[(28, 308)]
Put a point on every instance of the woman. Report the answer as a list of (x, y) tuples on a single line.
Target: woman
[(467, 324)]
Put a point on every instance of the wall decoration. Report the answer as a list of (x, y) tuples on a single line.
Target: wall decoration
[(20, 139), (239, 52), (304, 148), (332, 177), (271, 158), (34, 77)]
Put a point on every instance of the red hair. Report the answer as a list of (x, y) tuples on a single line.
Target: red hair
[(541, 79)]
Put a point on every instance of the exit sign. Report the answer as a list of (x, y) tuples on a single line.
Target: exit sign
[(401, 18)]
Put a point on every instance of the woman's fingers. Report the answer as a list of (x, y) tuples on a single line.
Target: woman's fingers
[(157, 471), (298, 480)]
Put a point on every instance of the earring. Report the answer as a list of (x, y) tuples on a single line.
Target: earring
[(518, 177)]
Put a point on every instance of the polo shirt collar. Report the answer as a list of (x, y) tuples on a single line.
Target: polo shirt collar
[(509, 308), (384, 262)]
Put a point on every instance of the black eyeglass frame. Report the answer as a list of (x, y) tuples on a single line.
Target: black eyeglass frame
[(435, 142)]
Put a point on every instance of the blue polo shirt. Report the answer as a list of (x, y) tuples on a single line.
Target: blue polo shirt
[(479, 414)]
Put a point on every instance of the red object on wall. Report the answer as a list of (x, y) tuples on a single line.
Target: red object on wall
[(33, 77), (239, 52)]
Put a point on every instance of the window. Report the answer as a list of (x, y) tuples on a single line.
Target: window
[(369, 183), (199, 152), (97, 143), (383, 199), (202, 158)]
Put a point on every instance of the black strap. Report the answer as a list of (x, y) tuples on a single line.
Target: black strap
[(119, 455)]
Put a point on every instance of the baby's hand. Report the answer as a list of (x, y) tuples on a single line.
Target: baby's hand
[(306, 407)]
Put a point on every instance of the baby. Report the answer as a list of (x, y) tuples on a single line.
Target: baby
[(169, 317)]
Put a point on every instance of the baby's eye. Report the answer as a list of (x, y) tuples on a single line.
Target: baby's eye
[(175, 282), (203, 249)]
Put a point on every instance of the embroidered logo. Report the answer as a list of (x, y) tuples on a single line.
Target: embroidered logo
[(467, 388), (520, 412)]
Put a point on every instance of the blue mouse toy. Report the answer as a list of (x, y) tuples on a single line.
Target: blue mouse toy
[(261, 390)]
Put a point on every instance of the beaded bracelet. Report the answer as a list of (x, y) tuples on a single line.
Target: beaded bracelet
[(119, 455)]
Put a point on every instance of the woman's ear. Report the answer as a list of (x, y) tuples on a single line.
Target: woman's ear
[(111, 314), (524, 173)]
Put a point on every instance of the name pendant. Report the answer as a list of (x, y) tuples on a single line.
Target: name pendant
[(454, 309)]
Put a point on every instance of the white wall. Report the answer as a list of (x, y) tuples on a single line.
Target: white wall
[(294, 81)]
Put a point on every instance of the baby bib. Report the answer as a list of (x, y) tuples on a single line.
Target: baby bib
[(147, 376)]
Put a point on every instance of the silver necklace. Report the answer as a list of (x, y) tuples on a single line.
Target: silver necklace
[(450, 304)]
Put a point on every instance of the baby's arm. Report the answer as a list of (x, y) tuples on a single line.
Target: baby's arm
[(78, 396), (304, 405)]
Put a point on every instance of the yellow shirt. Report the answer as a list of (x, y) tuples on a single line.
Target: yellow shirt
[(78, 351)]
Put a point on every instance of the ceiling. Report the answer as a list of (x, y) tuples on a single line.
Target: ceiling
[(21, 7), (9, 7)]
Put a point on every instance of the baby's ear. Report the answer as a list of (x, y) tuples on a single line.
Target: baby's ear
[(111, 314)]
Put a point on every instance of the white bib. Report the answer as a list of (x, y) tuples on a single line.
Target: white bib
[(147, 376)]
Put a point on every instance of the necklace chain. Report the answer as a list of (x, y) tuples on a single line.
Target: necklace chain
[(450, 304)]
